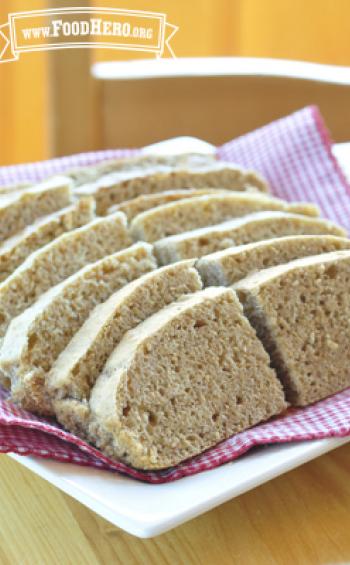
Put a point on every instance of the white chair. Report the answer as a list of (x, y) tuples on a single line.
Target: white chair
[(134, 103)]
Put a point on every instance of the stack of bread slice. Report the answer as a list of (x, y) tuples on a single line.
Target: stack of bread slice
[(19, 208), (14, 250), (57, 260), (36, 337), (76, 370), (195, 307), (178, 383)]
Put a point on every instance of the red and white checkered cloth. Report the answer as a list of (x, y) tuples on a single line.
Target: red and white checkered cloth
[(294, 154)]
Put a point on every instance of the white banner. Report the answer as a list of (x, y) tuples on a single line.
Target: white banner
[(130, 30)]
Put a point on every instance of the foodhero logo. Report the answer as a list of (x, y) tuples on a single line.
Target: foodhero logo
[(97, 26), (79, 27)]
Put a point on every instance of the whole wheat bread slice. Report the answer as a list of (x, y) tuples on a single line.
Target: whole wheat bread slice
[(23, 207), (187, 378), (250, 228), (135, 206), (36, 337), (301, 313), (15, 250), (125, 185), (193, 213), (230, 265), (90, 173), (132, 208)]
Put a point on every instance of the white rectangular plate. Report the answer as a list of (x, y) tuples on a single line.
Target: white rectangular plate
[(148, 510)]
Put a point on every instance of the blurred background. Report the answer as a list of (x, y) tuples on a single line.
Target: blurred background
[(50, 105)]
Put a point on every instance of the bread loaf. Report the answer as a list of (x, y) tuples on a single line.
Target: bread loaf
[(230, 265), (187, 378), (301, 312), (250, 228), (35, 338)]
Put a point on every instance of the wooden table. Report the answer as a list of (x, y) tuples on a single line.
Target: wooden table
[(302, 517)]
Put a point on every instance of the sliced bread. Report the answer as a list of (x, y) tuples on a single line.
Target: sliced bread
[(135, 206), (187, 378), (250, 228), (152, 161), (193, 213), (58, 260), (82, 175), (23, 207), (230, 265), (15, 250), (301, 313), (125, 185), (77, 368), (35, 338)]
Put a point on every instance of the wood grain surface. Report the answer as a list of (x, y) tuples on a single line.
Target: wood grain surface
[(302, 517)]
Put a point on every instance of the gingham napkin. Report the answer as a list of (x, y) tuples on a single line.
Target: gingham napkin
[(294, 154)]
